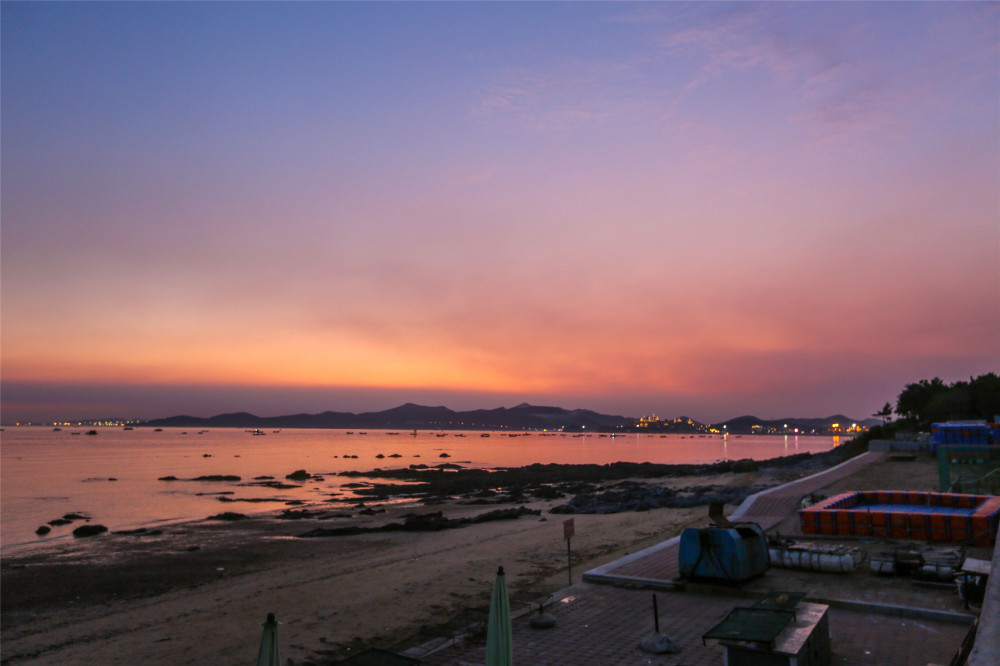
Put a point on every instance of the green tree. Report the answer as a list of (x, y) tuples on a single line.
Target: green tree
[(927, 402), (986, 396), (955, 404), (913, 402)]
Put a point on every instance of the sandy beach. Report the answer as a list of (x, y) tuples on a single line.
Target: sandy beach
[(198, 592)]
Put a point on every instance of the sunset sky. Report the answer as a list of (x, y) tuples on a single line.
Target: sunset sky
[(707, 209)]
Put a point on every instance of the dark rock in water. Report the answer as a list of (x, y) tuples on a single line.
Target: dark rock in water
[(167, 478), (43, 530), (89, 531), (332, 532), (298, 475), (91, 432), (292, 514), (217, 477), (58, 522), (228, 515), (278, 485), (75, 516), (206, 455), (444, 455), (380, 456), (141, 531), (395, 455), (262, 478)]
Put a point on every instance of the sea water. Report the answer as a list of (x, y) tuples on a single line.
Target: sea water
[(114, 477)]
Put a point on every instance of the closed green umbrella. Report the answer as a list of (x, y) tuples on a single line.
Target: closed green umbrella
[(268, 653), (499, 642)]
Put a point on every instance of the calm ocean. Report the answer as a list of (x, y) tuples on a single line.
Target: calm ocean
[(113, 476)]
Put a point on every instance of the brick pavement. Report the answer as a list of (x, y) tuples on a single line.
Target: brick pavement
[(600, 625)]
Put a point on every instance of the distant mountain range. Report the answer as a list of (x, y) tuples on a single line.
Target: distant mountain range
[(523, 416)]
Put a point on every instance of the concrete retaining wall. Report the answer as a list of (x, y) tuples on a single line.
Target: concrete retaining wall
[(883, 445)]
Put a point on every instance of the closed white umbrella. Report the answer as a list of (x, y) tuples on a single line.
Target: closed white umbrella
[(499, 641), (268, 653)]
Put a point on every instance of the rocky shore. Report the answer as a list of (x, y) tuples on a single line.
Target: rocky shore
[(356, 570), (451, 482)]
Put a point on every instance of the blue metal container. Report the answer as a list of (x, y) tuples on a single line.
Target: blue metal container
[(731, 554)]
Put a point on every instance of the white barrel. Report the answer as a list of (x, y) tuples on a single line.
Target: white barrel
[(813, 560)]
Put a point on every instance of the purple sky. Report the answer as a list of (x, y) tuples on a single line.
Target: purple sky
[(706, 209)]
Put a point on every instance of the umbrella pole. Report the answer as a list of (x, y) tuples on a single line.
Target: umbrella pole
[(657, 643)]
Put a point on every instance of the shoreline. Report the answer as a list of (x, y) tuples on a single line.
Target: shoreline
[(430, 485), (47, 478), (335, 594)]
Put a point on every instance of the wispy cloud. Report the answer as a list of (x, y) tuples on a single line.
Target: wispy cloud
[(559, 96), (829, 75)]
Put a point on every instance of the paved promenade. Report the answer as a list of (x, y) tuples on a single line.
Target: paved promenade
[(602, 621), (601, 625)]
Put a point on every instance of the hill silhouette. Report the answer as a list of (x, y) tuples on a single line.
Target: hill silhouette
[(410, 416)]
